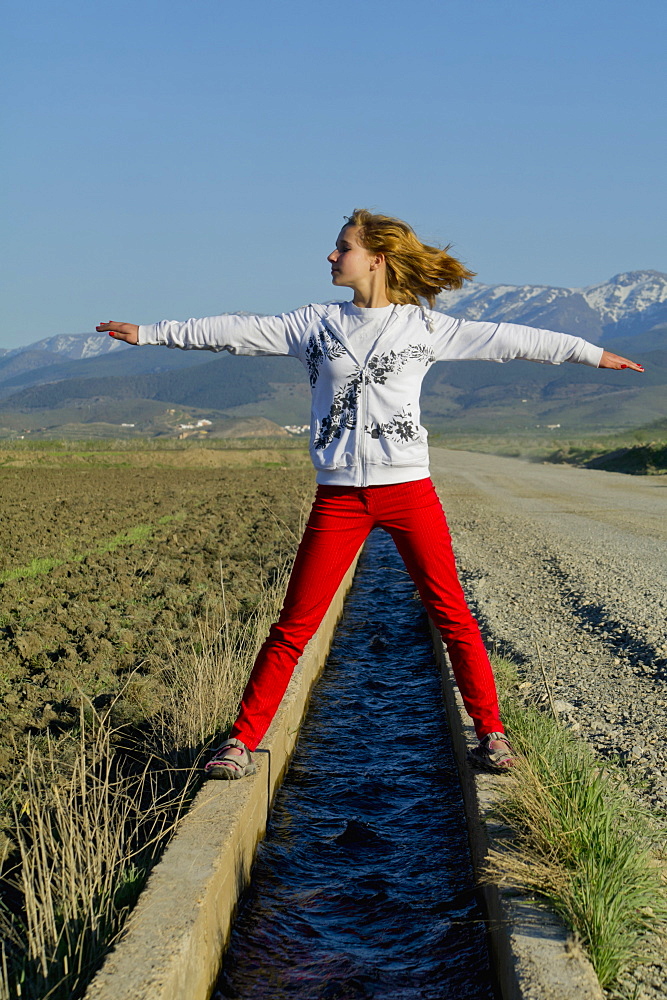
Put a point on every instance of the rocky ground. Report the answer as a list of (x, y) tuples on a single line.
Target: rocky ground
[(572, 572)]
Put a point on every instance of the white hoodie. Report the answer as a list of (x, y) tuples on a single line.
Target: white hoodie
[(365, 420)]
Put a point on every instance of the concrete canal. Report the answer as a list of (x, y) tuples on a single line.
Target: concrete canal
[(363, 887)]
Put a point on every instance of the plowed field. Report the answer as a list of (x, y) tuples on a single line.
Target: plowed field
[(103, 564)]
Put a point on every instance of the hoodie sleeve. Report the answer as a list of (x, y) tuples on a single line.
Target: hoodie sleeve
[(254, 335), (465, 340)]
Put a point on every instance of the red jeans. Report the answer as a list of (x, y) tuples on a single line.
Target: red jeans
[(339, 522)]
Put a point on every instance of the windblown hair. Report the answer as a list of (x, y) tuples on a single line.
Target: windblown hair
[(414, 269)]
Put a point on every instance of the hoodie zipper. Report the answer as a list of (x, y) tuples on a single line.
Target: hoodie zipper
[(361, 419)]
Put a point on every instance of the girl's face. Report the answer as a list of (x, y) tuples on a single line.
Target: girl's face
[(351, 264)]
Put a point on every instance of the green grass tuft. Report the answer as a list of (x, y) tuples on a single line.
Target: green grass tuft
[(34, 568), (580, 840), (140, 533)]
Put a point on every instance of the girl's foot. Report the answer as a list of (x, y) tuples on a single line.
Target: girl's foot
[(230, 760), (493, 753)]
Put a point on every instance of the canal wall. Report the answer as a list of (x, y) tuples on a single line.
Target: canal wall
[(172, 943), (535, 957)]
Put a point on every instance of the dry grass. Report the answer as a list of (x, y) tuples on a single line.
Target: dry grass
[(156, 452), (202, 690), (580, 842), (80, 827), (94, 810)]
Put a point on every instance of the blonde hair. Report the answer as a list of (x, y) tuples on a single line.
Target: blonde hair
[(414, 269)]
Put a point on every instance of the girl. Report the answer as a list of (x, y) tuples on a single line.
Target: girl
[(366, 360)]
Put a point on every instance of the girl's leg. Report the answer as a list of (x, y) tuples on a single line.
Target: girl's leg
[(337, 526), (423, 540)]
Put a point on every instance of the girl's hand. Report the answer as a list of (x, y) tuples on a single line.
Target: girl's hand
[(120, 331), (614, 361)]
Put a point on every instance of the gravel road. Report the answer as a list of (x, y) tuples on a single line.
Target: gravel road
[(573, 562)]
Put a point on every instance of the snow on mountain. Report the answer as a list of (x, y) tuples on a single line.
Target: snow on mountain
[(75, 346), (633, 292), (488, 302), (627, 304)]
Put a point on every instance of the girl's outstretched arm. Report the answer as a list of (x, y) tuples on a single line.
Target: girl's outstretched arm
[(238, 333), (614, 361), (128, 332), (457, 339)]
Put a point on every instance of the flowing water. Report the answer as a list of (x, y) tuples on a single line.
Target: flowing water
[(363, 887)]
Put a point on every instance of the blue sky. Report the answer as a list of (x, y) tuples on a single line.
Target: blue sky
[(169, 159)]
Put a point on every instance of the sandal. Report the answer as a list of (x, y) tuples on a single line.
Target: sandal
[(493, 753), (226, 765)]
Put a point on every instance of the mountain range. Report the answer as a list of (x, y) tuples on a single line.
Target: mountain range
[(626, 305), (91, 378)]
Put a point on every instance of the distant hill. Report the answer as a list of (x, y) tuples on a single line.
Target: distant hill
[(219, 382), (641, 344), (91, 374), (473, 395)]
